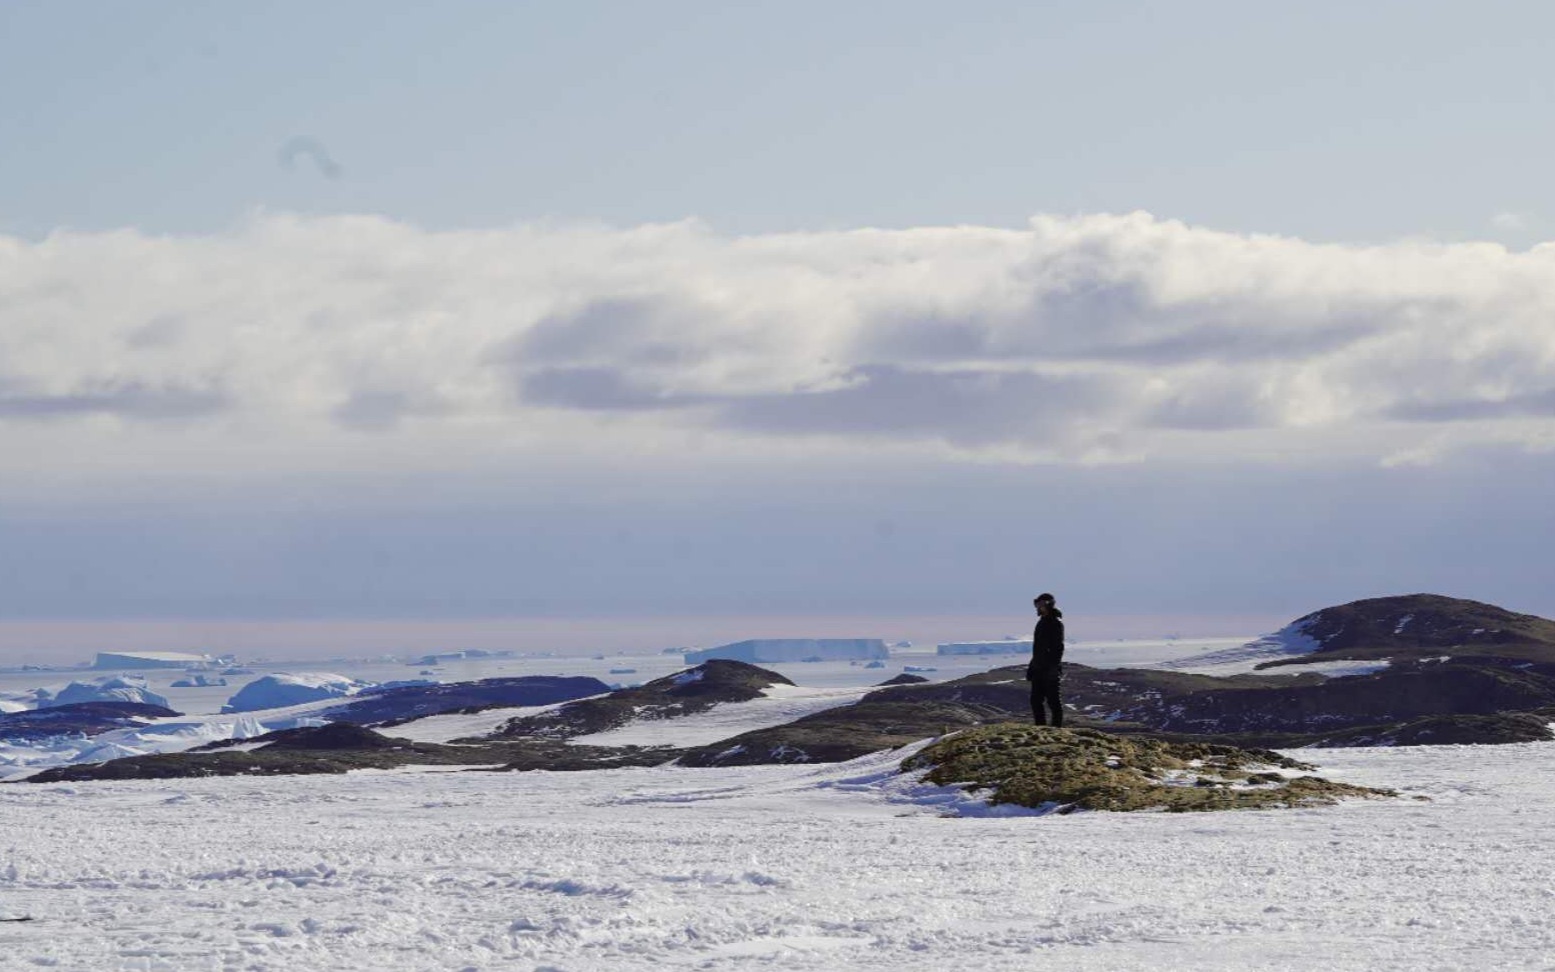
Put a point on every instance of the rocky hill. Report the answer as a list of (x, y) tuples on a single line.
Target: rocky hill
[(1414, 627), (392, 706), (1305, 713), (78, 718), (680, 694)]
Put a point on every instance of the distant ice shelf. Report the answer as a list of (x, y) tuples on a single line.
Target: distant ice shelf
[(758, 650), (1004, 646), (118, 660)]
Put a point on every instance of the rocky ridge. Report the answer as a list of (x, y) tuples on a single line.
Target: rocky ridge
[(683, 693), (1419, 627), (1430, 699), (78, 718)]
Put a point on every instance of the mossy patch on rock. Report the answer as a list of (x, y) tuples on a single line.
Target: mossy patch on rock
[(1083, 769)]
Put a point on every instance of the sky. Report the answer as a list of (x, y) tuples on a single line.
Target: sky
[(374, 312)]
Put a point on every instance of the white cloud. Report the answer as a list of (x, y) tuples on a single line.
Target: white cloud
[(1073, 340)]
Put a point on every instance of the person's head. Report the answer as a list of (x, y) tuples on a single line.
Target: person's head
[(1044, 603)]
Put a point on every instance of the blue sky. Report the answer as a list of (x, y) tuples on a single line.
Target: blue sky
[(500, 310), (1330, 121)]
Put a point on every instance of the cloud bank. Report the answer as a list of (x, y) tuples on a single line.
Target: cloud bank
[(1074, 340)]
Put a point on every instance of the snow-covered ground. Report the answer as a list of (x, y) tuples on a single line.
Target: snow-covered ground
[(790, 867)]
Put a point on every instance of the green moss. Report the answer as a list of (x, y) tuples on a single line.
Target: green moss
[(1083, 769)]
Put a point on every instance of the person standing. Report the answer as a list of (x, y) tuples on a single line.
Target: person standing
[(1046, 671)]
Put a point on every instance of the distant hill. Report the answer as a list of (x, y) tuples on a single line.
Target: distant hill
[(683, 693), (1418, 626), (397, 704), (78, 718), (1407, 627)]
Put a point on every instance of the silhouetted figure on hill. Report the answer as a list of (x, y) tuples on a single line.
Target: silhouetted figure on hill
[(1046, 671)]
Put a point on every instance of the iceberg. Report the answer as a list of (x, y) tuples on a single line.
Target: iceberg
[(285, 688), (463, 654), (199, 681), (150, 659), (1004, 646), (123, 688)]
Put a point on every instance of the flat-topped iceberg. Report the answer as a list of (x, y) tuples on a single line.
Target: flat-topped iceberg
[(1004, 646), (793, 650), (116, 660)]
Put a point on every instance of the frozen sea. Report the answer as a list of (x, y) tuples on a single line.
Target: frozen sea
[(778, 867)]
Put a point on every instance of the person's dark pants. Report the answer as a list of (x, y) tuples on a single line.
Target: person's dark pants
[(1045, 689)]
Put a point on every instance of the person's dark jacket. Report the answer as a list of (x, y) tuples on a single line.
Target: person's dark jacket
[(1047, 647)]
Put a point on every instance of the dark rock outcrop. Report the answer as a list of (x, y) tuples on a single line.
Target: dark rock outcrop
[(1400, 693), (333, 748), (683, 693), (342, 747), (337, 736), (1418, 626), (390, 707), (78, 719)]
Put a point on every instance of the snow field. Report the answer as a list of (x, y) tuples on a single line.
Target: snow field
[(790, 867)]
